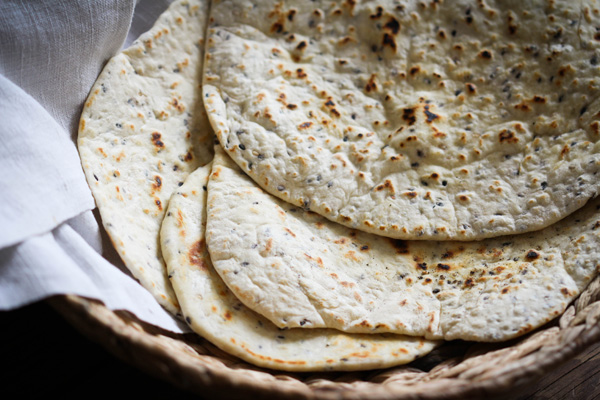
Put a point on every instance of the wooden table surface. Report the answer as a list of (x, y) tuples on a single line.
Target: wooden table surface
[(46, 356)]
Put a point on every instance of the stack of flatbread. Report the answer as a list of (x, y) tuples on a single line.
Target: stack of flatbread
[(346, 185)]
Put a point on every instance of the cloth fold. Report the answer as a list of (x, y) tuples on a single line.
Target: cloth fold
[(50, 241), (42, 183)]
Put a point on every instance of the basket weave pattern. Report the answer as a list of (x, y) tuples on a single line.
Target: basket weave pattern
[(455, 370)]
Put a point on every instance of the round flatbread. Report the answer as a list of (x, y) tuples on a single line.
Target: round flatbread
[(301, 270), (415, 120), (143, 130), (216, 314)]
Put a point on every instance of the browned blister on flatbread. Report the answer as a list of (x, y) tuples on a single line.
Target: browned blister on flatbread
[(213, 311), (301, 270), (414, 120), (143, 129)]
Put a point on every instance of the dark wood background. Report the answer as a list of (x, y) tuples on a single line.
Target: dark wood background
[(43, 356)]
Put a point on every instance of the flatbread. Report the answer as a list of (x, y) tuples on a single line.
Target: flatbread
[(142, 131), (217, 315), (414, 120), (301, 270)]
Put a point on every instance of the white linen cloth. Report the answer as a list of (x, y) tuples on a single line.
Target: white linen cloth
[(51, 52)]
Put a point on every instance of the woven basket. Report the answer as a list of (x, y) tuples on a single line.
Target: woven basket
[(456, 370)]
